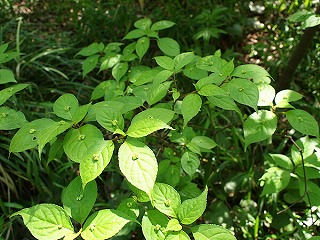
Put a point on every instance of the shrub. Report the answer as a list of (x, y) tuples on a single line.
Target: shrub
[(172, 128)]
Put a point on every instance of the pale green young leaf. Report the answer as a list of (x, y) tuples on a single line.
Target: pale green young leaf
[(282, 161), (138, 164), (153, 225), (11, 119), (169, 46), (109, 61), (165, 62), (173, 225), (303, 122), (160, 25), (6, 93), (274, 180), (311, 21), (78, 141), (6, 76), (252, 71), (46, 221), (66, 106), (142, 46), (266, 94), (213, 78), (307, 145), (119, 70), (209, 89), (103, 224), (190, 162), (91, 49), (166, 199), (78, 201), (145, 127), (259, 126), (299, 16), (244, 92), (136, 33), (211, 232), (157, 91), (139, 194), (181, 235), (143, 24), (162, 76), (190, 107), (80, 113), (284, 97), (89, 64), (95, 160), (182, 60), (191, 209)]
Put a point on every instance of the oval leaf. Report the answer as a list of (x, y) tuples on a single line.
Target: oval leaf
[(190, 162), (303, 122), (11, 119), (191, 209), (138, 164), (169, 46), (142, 46), (66, 106), (166, 199), (190, 107), (46, 221), (211, 232)]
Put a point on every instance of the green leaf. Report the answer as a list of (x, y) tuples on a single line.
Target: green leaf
[(252, 71), (6, 57), (266, 94), (38, 132), (157, 91), (89, 64), (129, 207), (303, 122), (169, 46), (11, 119), (191, 209), (211, 232), (284, 97), (191, 71), (244, 92), (165, 62), (313, 193), (311, 21), (4, 47), (204, 142), (182, 60), (145, 127), (211, 63), (160, 25), (166, 199), (78, 202), (109, 61), (136, 33), (6, 93), (6, 76), (142, 46), (190, 162), (259, 126), (275, 180), (95, 160), (173, 225), (190, 107), (119, 70), (46, 221), (138, 164), (169, 173), (307, 145), (78, 141), (282, 161), (80, 113), (153, 225), (109, 118), (181, 235), (143, 24), (221, 99), (66, 106), (91, 49), (103, 224)]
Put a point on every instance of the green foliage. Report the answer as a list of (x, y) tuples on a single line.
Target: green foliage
[(169, 127)]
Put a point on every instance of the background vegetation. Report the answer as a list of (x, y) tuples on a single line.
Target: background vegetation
[(47, 36)]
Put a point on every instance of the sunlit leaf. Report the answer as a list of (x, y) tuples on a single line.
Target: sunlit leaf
[(211, 232), (303, 122)]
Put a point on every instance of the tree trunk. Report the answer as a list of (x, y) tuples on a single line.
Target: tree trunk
[(301, 50)]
